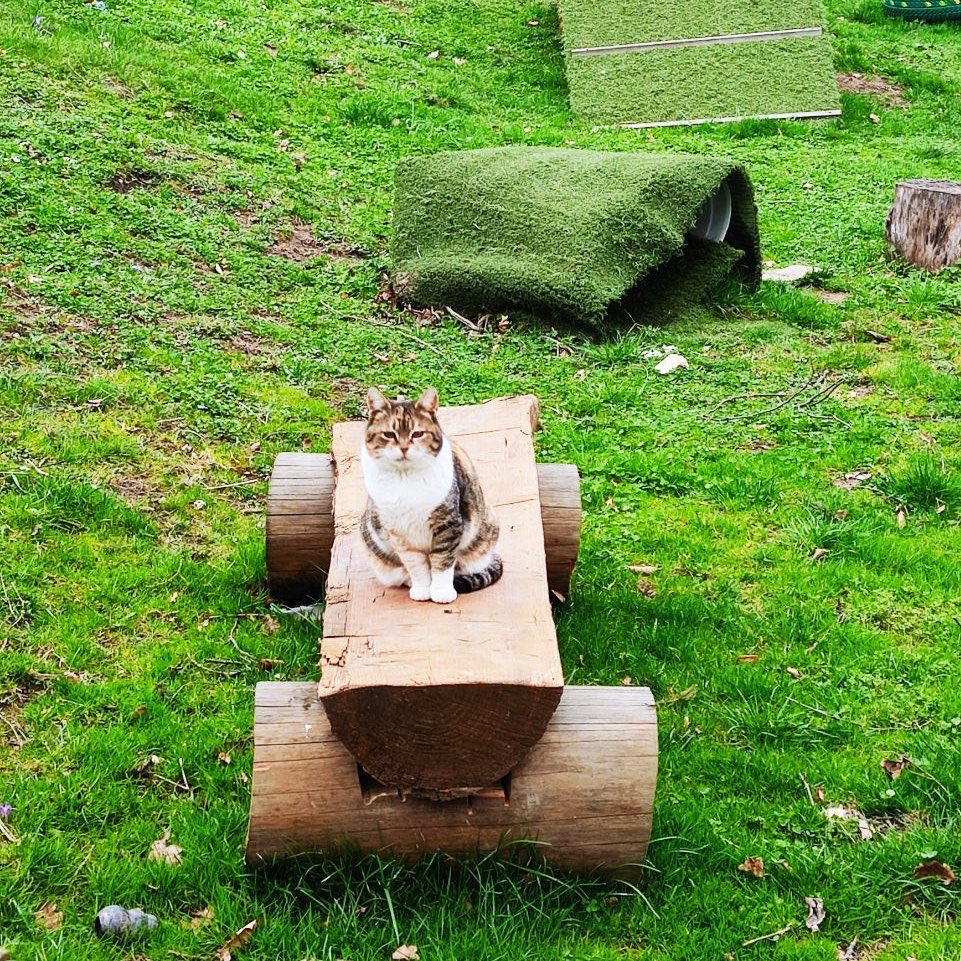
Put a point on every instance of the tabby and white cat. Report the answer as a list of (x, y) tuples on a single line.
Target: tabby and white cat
[(426, 524)]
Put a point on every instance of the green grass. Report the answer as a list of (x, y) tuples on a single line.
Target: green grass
[(154, 350)]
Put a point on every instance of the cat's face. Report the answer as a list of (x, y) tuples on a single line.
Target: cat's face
[(403, 431)]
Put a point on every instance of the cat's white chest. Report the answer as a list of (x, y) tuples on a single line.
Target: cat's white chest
[(406, 498)]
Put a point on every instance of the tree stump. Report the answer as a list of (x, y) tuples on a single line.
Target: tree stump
[(444, 699), (924, 225)]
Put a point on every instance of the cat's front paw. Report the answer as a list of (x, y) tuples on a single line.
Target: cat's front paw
[(420, 593), (443, 595)]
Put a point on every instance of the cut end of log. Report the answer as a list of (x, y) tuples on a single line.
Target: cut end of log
[(447, 738)]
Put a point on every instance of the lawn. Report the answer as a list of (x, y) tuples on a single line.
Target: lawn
[(195, 222)]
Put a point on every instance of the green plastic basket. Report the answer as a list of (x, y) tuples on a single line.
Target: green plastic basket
[(931, 11)]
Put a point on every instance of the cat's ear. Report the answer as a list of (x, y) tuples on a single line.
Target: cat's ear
[(427, 402), (376, 402)]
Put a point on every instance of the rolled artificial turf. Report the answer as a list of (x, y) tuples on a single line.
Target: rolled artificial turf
[(599, 23), (570, 234), (928, 11), (705, 82)]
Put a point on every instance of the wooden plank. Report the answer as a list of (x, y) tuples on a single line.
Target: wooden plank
[(797, 115), (586, 801), (444, 696), (696, 41)]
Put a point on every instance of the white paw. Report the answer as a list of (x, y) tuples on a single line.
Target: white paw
[(420, 593), (443, 595)]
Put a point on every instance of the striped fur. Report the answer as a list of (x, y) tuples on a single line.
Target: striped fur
[(427, 525)]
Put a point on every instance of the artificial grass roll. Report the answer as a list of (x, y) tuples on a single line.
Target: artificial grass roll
[(589, 23), (563, 233), (757, 78)]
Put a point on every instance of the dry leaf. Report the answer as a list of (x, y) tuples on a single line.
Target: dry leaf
[(794, 672), (850, 952), (144, 768), (223, 757), (236, 941), (643, 568), (752, 866), (935, 869), (819, 554), (433, 55), (816, 914), (406, 952), (269, 663), (271, 624), (851, 479), (819, 793), (902, 517), (166, 853), (747, 658), (271, 50), (878, 338), (49, 915), (626, 681), (895, 766), (199, 918)]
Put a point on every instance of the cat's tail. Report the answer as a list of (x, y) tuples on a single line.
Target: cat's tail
[(475, 581)]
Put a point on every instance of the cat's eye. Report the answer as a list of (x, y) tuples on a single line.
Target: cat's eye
[(388, 435), (416, 434)]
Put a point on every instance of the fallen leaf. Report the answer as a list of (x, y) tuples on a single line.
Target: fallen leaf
[(49, 916), (236, 941), (878, 338), (819, 554), (626, 681), (819, 793), (269, 663), (850, 952), (874, 118), (271, 624), (794, 672), (223, 757), (643, 568), (935, 869), (145, 768), (166, 853), (200, 918), (752, 866), (433, 55), (851, 479), (747, 658), (406, 952), (271, 50), (895, 766), (902, 517), (939, 506), (816, 914)]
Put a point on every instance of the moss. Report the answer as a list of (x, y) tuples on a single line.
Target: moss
[(566, 233), (696, 83)]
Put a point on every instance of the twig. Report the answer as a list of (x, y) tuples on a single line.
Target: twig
[(246, 483), (807, 788), (750, 396), (15, 729), (183, 774), (405, 333), (822, 394), (773, 936)]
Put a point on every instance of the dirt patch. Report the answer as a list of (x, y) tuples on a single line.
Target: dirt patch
[(123, 181), (298, 244), (247, 343), (891, 93), (834, 297), (118, 88), (135, 488), (245, 218)]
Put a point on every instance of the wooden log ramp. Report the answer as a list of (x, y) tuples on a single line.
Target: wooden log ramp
[(584, 794), (444, 699), (434, 725)]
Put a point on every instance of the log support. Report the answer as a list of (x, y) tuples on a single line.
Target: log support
[(584, 793)]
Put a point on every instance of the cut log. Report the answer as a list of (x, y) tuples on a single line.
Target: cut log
[(300, 525), (444, 698), (584, 793), (924, 225)]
